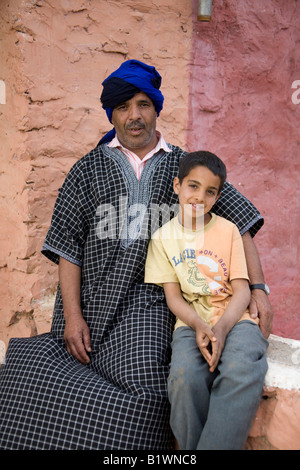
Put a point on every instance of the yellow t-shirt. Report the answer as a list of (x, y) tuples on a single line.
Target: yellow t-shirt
[(203, 262)]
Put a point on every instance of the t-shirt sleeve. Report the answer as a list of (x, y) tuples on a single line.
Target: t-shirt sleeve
[(67, 233), (238, 265), (236, 208), (158, 268)]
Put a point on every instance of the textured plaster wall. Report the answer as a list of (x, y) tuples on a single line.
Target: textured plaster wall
[(54, 56), (244, 63), (228, 88)]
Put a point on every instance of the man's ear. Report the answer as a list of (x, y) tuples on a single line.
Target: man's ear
[(176, 185)]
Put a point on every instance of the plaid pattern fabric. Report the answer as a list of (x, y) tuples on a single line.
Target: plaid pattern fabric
[(119, 401), (51, 402)]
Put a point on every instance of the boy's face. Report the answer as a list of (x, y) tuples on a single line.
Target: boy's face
[(197, 193)]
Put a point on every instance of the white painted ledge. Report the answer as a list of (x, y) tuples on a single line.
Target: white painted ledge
[(283, 358)]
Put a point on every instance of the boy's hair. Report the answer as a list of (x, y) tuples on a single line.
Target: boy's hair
[(202, 158)]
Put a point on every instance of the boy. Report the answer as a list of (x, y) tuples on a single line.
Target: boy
[(218, 352)]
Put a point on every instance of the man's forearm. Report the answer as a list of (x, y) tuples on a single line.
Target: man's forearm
[(255, 271), (76, 334), (260, 305), (70, 285)]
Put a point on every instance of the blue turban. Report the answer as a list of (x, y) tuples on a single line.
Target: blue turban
[(130, 78)]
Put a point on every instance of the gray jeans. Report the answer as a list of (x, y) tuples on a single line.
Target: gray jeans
[(215, 410)]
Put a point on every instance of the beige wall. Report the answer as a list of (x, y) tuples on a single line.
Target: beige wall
[(54, 56)]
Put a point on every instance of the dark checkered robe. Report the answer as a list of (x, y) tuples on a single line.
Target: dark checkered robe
[(48, 400)]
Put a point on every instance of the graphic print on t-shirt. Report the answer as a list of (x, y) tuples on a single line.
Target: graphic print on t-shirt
[(214, 269), (196, 278), (206, 271)]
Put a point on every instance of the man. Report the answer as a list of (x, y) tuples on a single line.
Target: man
[(113, 323)]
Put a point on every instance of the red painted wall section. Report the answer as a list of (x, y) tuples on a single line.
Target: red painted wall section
[(243, 107)]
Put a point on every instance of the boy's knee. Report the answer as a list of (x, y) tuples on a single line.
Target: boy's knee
[(185, 380), (246, 343)]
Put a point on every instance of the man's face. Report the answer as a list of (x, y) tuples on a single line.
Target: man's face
[(135, 124)]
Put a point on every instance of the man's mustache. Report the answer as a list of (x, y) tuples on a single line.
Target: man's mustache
[(136, 125)]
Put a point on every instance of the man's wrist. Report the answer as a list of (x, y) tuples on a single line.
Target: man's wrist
[(261, 286), (72, 312)]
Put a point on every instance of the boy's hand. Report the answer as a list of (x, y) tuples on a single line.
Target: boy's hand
[(205, 337), (217, 347)]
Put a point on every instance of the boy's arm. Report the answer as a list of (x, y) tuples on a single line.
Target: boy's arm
[(181, 309), (76, 334), (238, 304)]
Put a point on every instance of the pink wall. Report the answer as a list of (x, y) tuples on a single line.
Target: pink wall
[(242, 68)]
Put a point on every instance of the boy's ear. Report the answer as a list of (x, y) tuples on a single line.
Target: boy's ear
[(176, 185)]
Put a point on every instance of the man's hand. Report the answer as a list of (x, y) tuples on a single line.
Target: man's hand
[(77, 338), (260, 307)]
